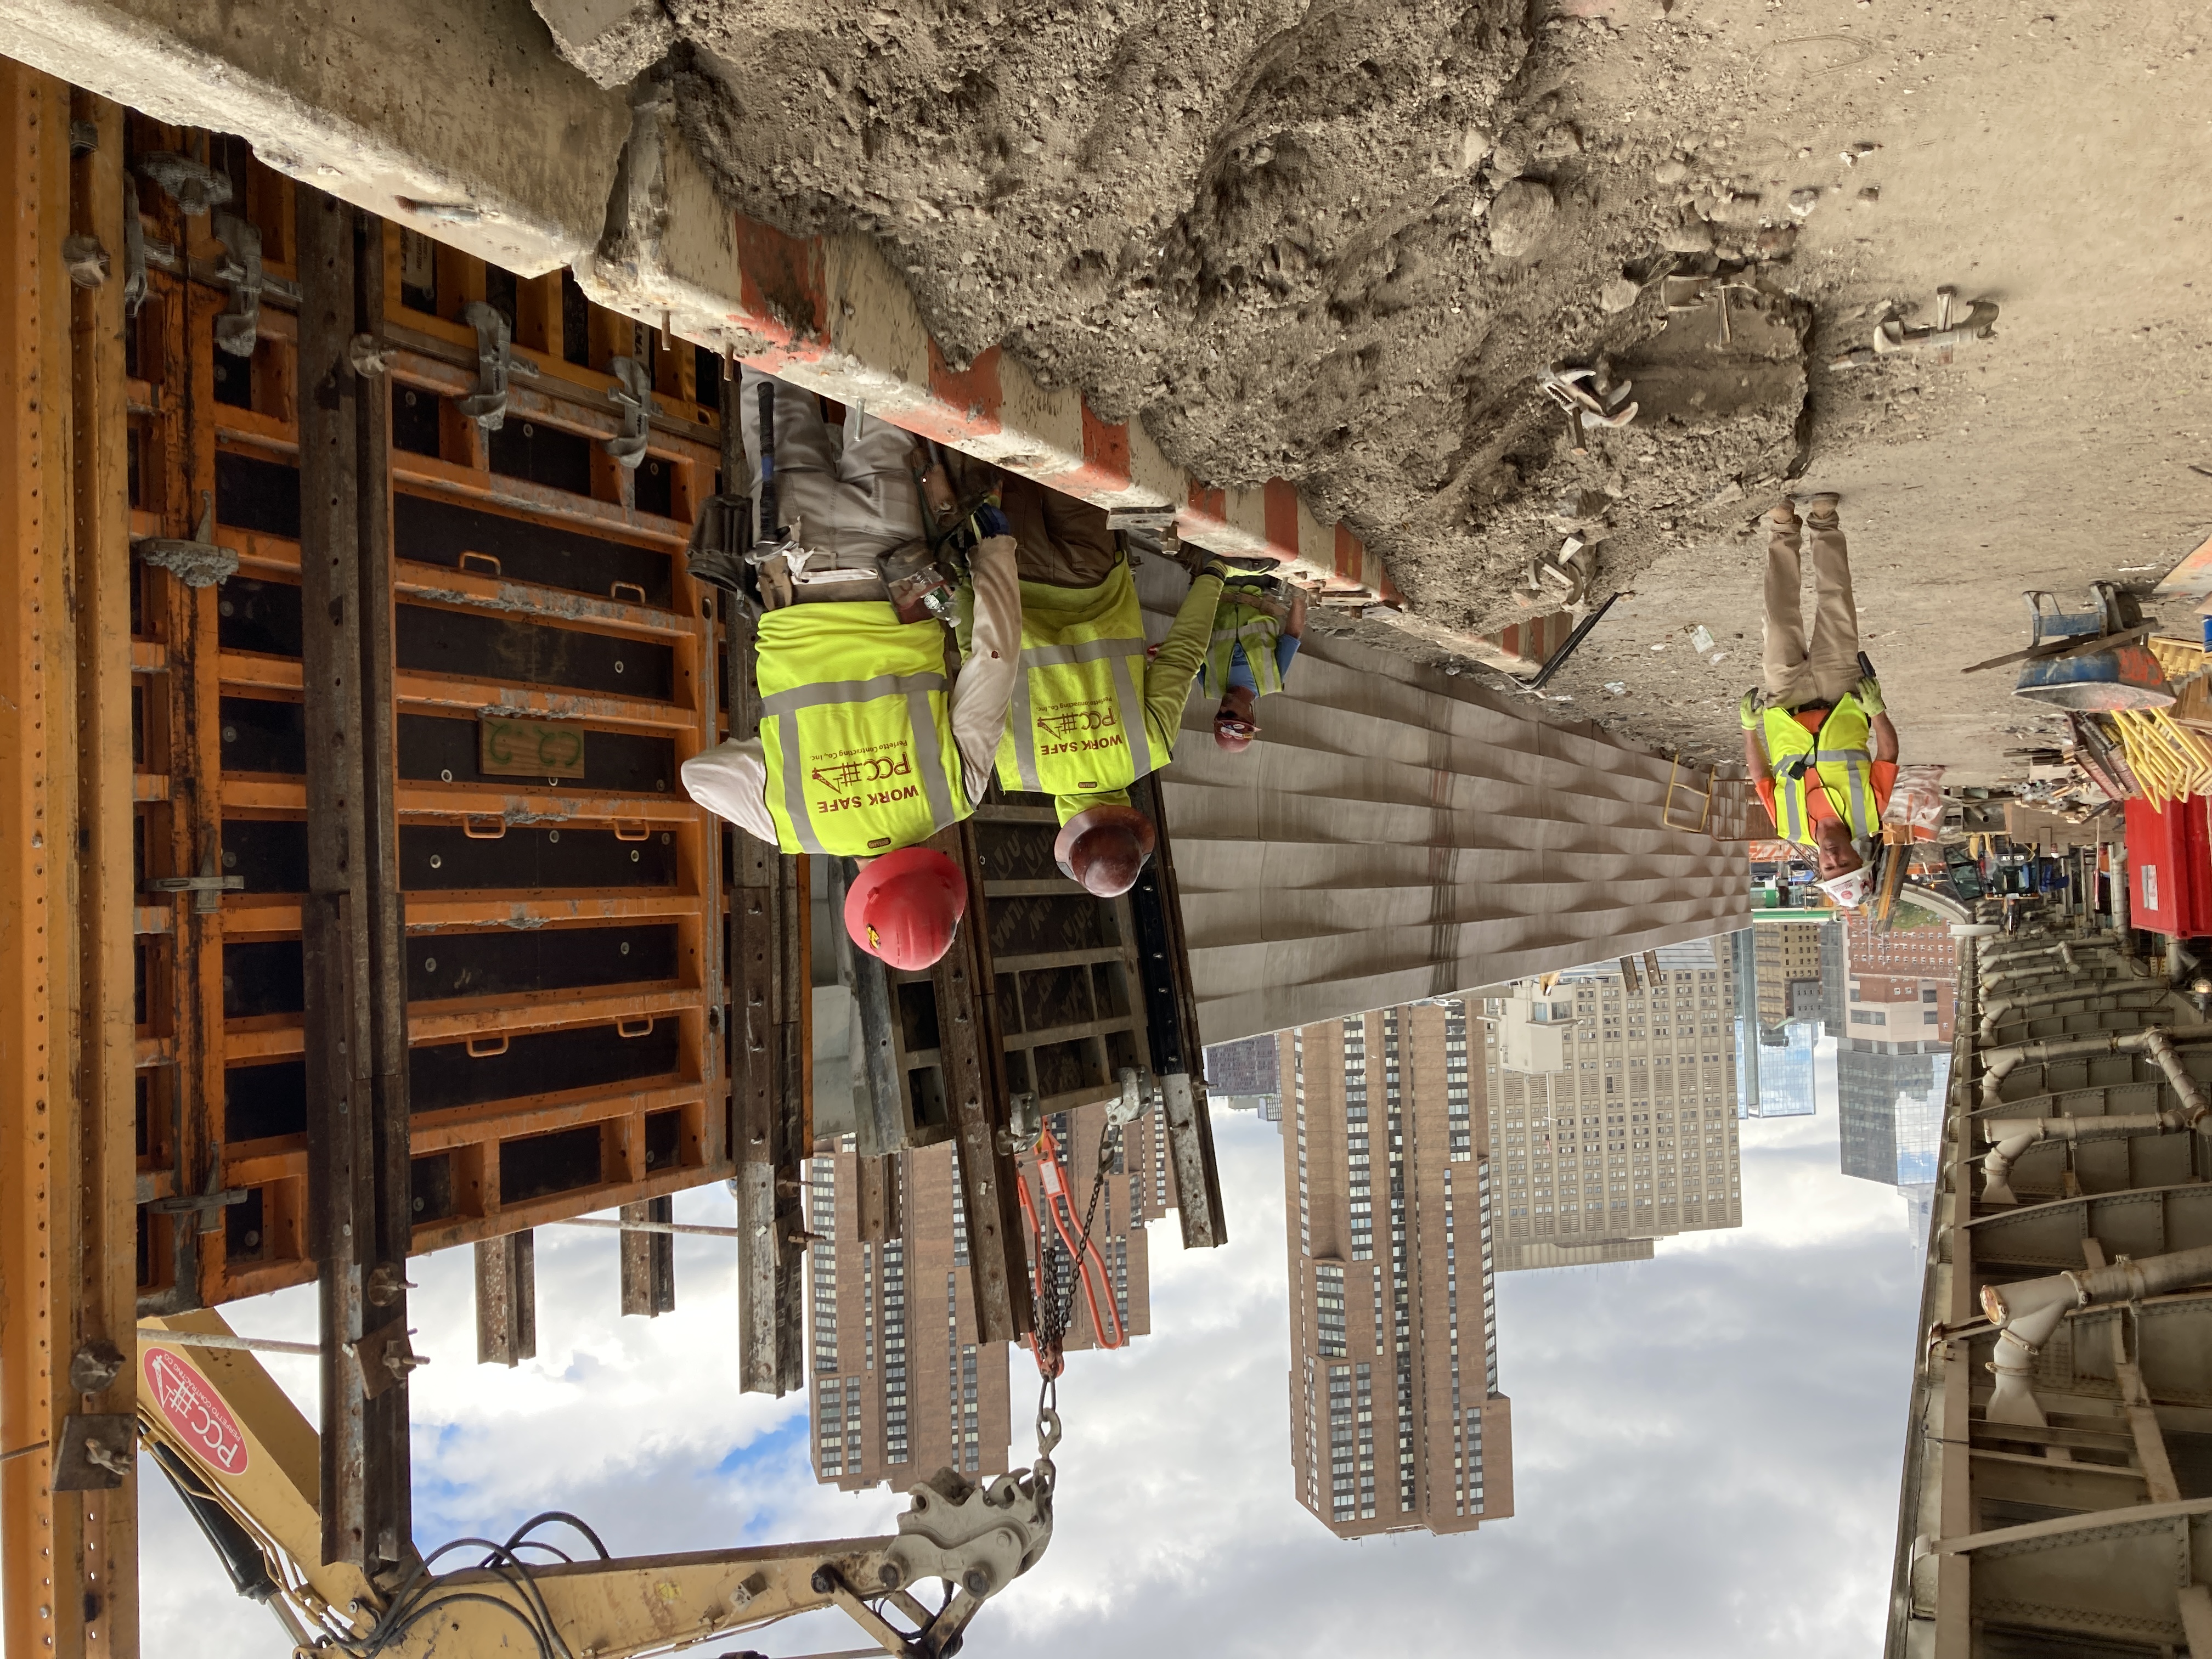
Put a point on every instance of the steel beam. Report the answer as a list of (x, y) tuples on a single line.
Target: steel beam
[(1171, 1026), (57, 1592), (648, 1259), (971, 1053), (507, 1300), (358, 1199)]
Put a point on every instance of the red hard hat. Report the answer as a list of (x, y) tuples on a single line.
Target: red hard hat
[(1105, 848), (906, 906)]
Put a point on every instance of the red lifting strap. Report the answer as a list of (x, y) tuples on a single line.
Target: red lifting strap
[(1052, 1177)]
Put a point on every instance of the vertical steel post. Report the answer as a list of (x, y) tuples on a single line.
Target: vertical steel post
[(42, 1534), (972, 1051), (356, 1024), (647, 1260), (104, 1272)]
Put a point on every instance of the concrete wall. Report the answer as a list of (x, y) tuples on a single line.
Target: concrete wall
[(1396, 834)]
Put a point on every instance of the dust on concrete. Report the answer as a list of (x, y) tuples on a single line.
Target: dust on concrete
[(1334, 245), (1338, 246)]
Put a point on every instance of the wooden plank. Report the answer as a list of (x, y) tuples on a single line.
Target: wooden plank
[(879, 1197)]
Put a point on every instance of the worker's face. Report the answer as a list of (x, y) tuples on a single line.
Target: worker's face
[(1235, 714), (1833, 849)]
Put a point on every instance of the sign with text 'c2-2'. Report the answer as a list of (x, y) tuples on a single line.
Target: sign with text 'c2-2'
[(529, 748), (195, 1411)]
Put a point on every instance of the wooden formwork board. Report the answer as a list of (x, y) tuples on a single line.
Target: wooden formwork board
[(563, 958)]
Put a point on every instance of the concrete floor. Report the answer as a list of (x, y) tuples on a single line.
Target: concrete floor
[(2046, 157)]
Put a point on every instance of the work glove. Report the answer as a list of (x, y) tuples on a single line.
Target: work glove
[(1869, 695), (1748, 711)]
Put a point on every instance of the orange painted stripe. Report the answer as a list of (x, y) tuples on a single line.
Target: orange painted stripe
[(1105, 467), (1278, 500), (964, 402), (782, 293)]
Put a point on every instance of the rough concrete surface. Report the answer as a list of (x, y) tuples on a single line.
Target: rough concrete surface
[(1339, 245)]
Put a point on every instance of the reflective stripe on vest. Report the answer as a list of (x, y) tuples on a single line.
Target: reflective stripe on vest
[(1077, 722), (1844, 770), (1236, 624), (856, 767)]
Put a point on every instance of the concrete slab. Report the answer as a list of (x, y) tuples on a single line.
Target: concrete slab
[(459, 121)]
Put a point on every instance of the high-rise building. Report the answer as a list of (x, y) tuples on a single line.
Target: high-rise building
[(1613, 1107), (1785, 1070), (1893, 1062), (1396, 1421), (900, 1386), (1243, 1076), (1789, 954)]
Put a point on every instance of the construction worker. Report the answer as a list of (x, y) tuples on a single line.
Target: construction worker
[(865, 749), (1094, 711), (1256, 638), (1818, 743)]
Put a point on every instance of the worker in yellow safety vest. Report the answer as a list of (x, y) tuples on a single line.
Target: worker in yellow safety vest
[(1817, 738), (866, 746), (1257, 637), (1094, 710)]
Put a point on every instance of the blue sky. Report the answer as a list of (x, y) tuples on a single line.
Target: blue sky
[(1706, 1445)]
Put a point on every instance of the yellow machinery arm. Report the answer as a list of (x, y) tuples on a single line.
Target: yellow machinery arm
[(245, 1460)]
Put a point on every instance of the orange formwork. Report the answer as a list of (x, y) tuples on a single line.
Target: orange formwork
[(564, 956), (68, 1556)]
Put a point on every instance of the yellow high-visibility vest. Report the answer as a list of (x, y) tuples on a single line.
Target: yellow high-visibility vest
[(1236, 624), (1838, 753), (1077, 723), (856, 729)]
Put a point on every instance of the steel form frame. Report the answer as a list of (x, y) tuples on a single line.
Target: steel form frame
[(184, 793), (68, 1558)]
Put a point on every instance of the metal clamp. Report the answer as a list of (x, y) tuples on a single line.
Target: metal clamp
[(207, 889), (206, 1206), (239, 328), (98, 1452), (633, 394), (196, 562), (495, 363), (1132, 1102), (134, 250)]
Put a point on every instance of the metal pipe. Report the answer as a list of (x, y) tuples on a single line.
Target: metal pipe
[(224, 1340), (2001, 1062), (2012, 1138), (1996, 1011), (2026, 1312), (687, 1227)]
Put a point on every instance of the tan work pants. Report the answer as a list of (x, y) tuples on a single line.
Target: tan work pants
[(1794, 675), (847, 504)]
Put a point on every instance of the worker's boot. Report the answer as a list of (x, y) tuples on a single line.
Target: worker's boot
[(1821, 509), (1783, 516)]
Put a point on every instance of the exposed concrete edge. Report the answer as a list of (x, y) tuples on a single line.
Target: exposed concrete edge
[(830, 313), (309, 97)]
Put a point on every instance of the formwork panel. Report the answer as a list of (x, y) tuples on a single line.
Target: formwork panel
[(565, 1012)]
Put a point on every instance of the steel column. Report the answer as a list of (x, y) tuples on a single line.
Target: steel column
[(971, 1056), (1171, 1023), (356, 1017), (648, 1260), (41, 1533), (507, 1300)]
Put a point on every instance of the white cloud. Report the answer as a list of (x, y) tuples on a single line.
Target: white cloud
[(1706, 1452)]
